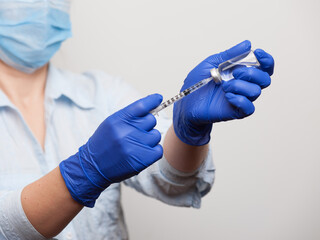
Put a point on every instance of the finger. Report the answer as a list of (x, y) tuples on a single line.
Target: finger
[(145, 123), (157, 153), (236, 50), (143, 106), (147, 156), (266, 61), (253, 75), (242, 104), (144, 157), (250, 90), (150, 139)]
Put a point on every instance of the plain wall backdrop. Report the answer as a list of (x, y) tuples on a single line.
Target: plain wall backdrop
[(267, 179)]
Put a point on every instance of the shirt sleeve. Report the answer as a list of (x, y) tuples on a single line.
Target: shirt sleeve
[(173, 187), (14, 224)]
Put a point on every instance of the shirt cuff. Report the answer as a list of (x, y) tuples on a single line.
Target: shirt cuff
[(197, 183), (14, 223)]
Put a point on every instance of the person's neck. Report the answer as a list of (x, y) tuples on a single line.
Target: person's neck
[(22, 88)]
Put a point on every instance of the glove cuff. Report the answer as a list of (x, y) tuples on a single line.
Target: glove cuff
[(191, 134), (77, 173)]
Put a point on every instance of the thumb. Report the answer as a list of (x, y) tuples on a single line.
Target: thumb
[(143, 106)]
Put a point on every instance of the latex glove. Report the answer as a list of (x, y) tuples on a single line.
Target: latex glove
[(193, 115), (122, 146)]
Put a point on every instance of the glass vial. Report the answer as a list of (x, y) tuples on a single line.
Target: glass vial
[(225, 69)]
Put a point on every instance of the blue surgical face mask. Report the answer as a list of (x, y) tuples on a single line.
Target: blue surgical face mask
[(31, 31)]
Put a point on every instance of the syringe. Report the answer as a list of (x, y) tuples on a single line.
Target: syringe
[(223, 72), (181, 95)]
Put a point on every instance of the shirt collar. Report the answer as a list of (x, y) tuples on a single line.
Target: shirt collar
[(75, 87)]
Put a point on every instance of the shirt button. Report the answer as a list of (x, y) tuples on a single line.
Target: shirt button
[(69, 235)]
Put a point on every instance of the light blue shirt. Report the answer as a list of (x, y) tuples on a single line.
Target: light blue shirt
[(75, 104)]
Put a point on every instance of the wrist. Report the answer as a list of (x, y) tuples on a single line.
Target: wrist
[(77, 172), (191, 134)]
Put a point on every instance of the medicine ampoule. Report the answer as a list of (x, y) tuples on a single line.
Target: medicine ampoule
[(225, 69)]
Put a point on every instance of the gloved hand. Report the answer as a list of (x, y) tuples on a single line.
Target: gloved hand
[(122, 146), (194, 115)]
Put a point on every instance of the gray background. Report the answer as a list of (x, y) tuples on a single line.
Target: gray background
[(267, 181)]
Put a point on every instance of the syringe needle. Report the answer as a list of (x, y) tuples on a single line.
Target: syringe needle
[(181, 95)]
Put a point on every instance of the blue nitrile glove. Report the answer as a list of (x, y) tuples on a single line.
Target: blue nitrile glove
[(122, 146), (193, 115)]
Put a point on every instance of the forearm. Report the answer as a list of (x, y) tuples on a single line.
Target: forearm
[(181, 156), (48, 204)]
